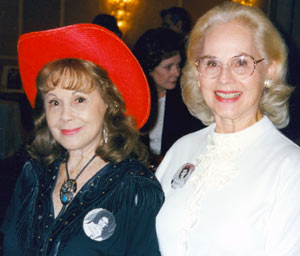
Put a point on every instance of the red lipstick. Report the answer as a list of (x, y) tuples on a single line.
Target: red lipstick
[(70, 131), (228, 96)]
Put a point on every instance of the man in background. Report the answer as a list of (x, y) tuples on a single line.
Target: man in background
[(109, 22), (177, 19)]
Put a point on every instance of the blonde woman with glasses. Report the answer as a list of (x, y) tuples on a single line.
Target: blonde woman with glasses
[(241, 196)]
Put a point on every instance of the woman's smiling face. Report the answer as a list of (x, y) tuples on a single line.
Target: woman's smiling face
[(75, 118), (234, 101)]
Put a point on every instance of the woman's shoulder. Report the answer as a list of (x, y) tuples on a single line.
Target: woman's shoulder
[(280, 144), (287, 152), (135, 185), (29, 170), (131, 171), (191, 140), (183, 151), (130, 168), (133, 168), (34, 167), (273, 147)]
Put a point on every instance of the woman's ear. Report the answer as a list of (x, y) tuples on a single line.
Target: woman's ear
[(271, 70)]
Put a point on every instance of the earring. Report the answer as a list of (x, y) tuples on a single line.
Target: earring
[(198, 83), (268, 83), (116, 105), (105, 138)]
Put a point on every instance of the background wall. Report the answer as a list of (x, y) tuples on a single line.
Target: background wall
[(21, 16), (285, 15), (145, 15)]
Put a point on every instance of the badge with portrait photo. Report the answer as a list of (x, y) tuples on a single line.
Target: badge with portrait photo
[(99, 224), (182, 175)]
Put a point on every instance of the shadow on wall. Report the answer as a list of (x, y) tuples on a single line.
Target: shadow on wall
[(293, 129)]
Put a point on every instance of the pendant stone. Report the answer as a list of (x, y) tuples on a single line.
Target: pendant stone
[(67, 191)]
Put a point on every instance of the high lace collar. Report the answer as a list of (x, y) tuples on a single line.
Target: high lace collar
[(239, 139), (216, 167)]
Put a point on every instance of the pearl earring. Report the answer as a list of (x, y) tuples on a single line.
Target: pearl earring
[(268, 83), (105, 138)]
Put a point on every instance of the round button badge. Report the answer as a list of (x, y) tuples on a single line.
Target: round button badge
[(182, 175), (99, 224)]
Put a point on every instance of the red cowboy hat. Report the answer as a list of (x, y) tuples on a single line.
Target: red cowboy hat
[(89, 42)]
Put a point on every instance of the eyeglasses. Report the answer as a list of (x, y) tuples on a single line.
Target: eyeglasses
[(241, 66)]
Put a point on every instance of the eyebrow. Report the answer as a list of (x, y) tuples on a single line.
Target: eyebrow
[(208, 56), (50, 94), (75, 92), (83, 92), (214, 57)]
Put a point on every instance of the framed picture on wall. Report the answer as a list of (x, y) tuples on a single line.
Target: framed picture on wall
[(11, 79)]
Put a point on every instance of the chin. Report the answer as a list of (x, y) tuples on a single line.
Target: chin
[(172, 87), (71, 145), (230, 115)]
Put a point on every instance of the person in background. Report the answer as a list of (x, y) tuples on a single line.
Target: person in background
[(180, 21), (109, 22), (158, 51), (177, 19), (242, 197), (90, 96)]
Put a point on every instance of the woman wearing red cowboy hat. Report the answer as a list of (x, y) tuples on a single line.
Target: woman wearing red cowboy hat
[(85, 190)]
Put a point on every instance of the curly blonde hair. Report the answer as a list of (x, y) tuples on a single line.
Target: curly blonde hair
[(275, 100), (75, 74)]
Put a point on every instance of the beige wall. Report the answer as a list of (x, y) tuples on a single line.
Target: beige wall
[(145, 16), (198, 7), (21, 16)]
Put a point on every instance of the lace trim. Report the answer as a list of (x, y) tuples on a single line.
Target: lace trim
[(215, 168)]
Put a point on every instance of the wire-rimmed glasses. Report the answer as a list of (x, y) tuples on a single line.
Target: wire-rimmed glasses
[(241, 66)]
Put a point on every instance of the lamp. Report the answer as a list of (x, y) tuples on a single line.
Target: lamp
[(122, 10), (246, 2)]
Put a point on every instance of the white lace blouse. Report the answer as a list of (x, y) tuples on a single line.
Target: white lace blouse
[(243, 198)]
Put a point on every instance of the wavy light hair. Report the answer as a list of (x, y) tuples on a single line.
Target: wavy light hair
[(274, 102), (76, 74)]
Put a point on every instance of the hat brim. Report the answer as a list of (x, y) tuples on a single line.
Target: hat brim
[(89, 42)]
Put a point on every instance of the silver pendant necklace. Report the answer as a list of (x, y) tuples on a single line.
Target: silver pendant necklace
[(69, 187)]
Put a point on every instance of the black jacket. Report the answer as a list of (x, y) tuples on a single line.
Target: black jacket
[(177, 120), (128, 191)]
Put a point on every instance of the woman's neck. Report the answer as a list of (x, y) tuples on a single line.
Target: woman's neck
[(161, 93)]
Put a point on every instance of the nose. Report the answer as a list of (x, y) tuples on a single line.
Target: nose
[(225, 75), (66, 114), (176, 71)]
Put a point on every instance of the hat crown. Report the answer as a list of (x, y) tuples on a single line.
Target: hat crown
[(89, 42)]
